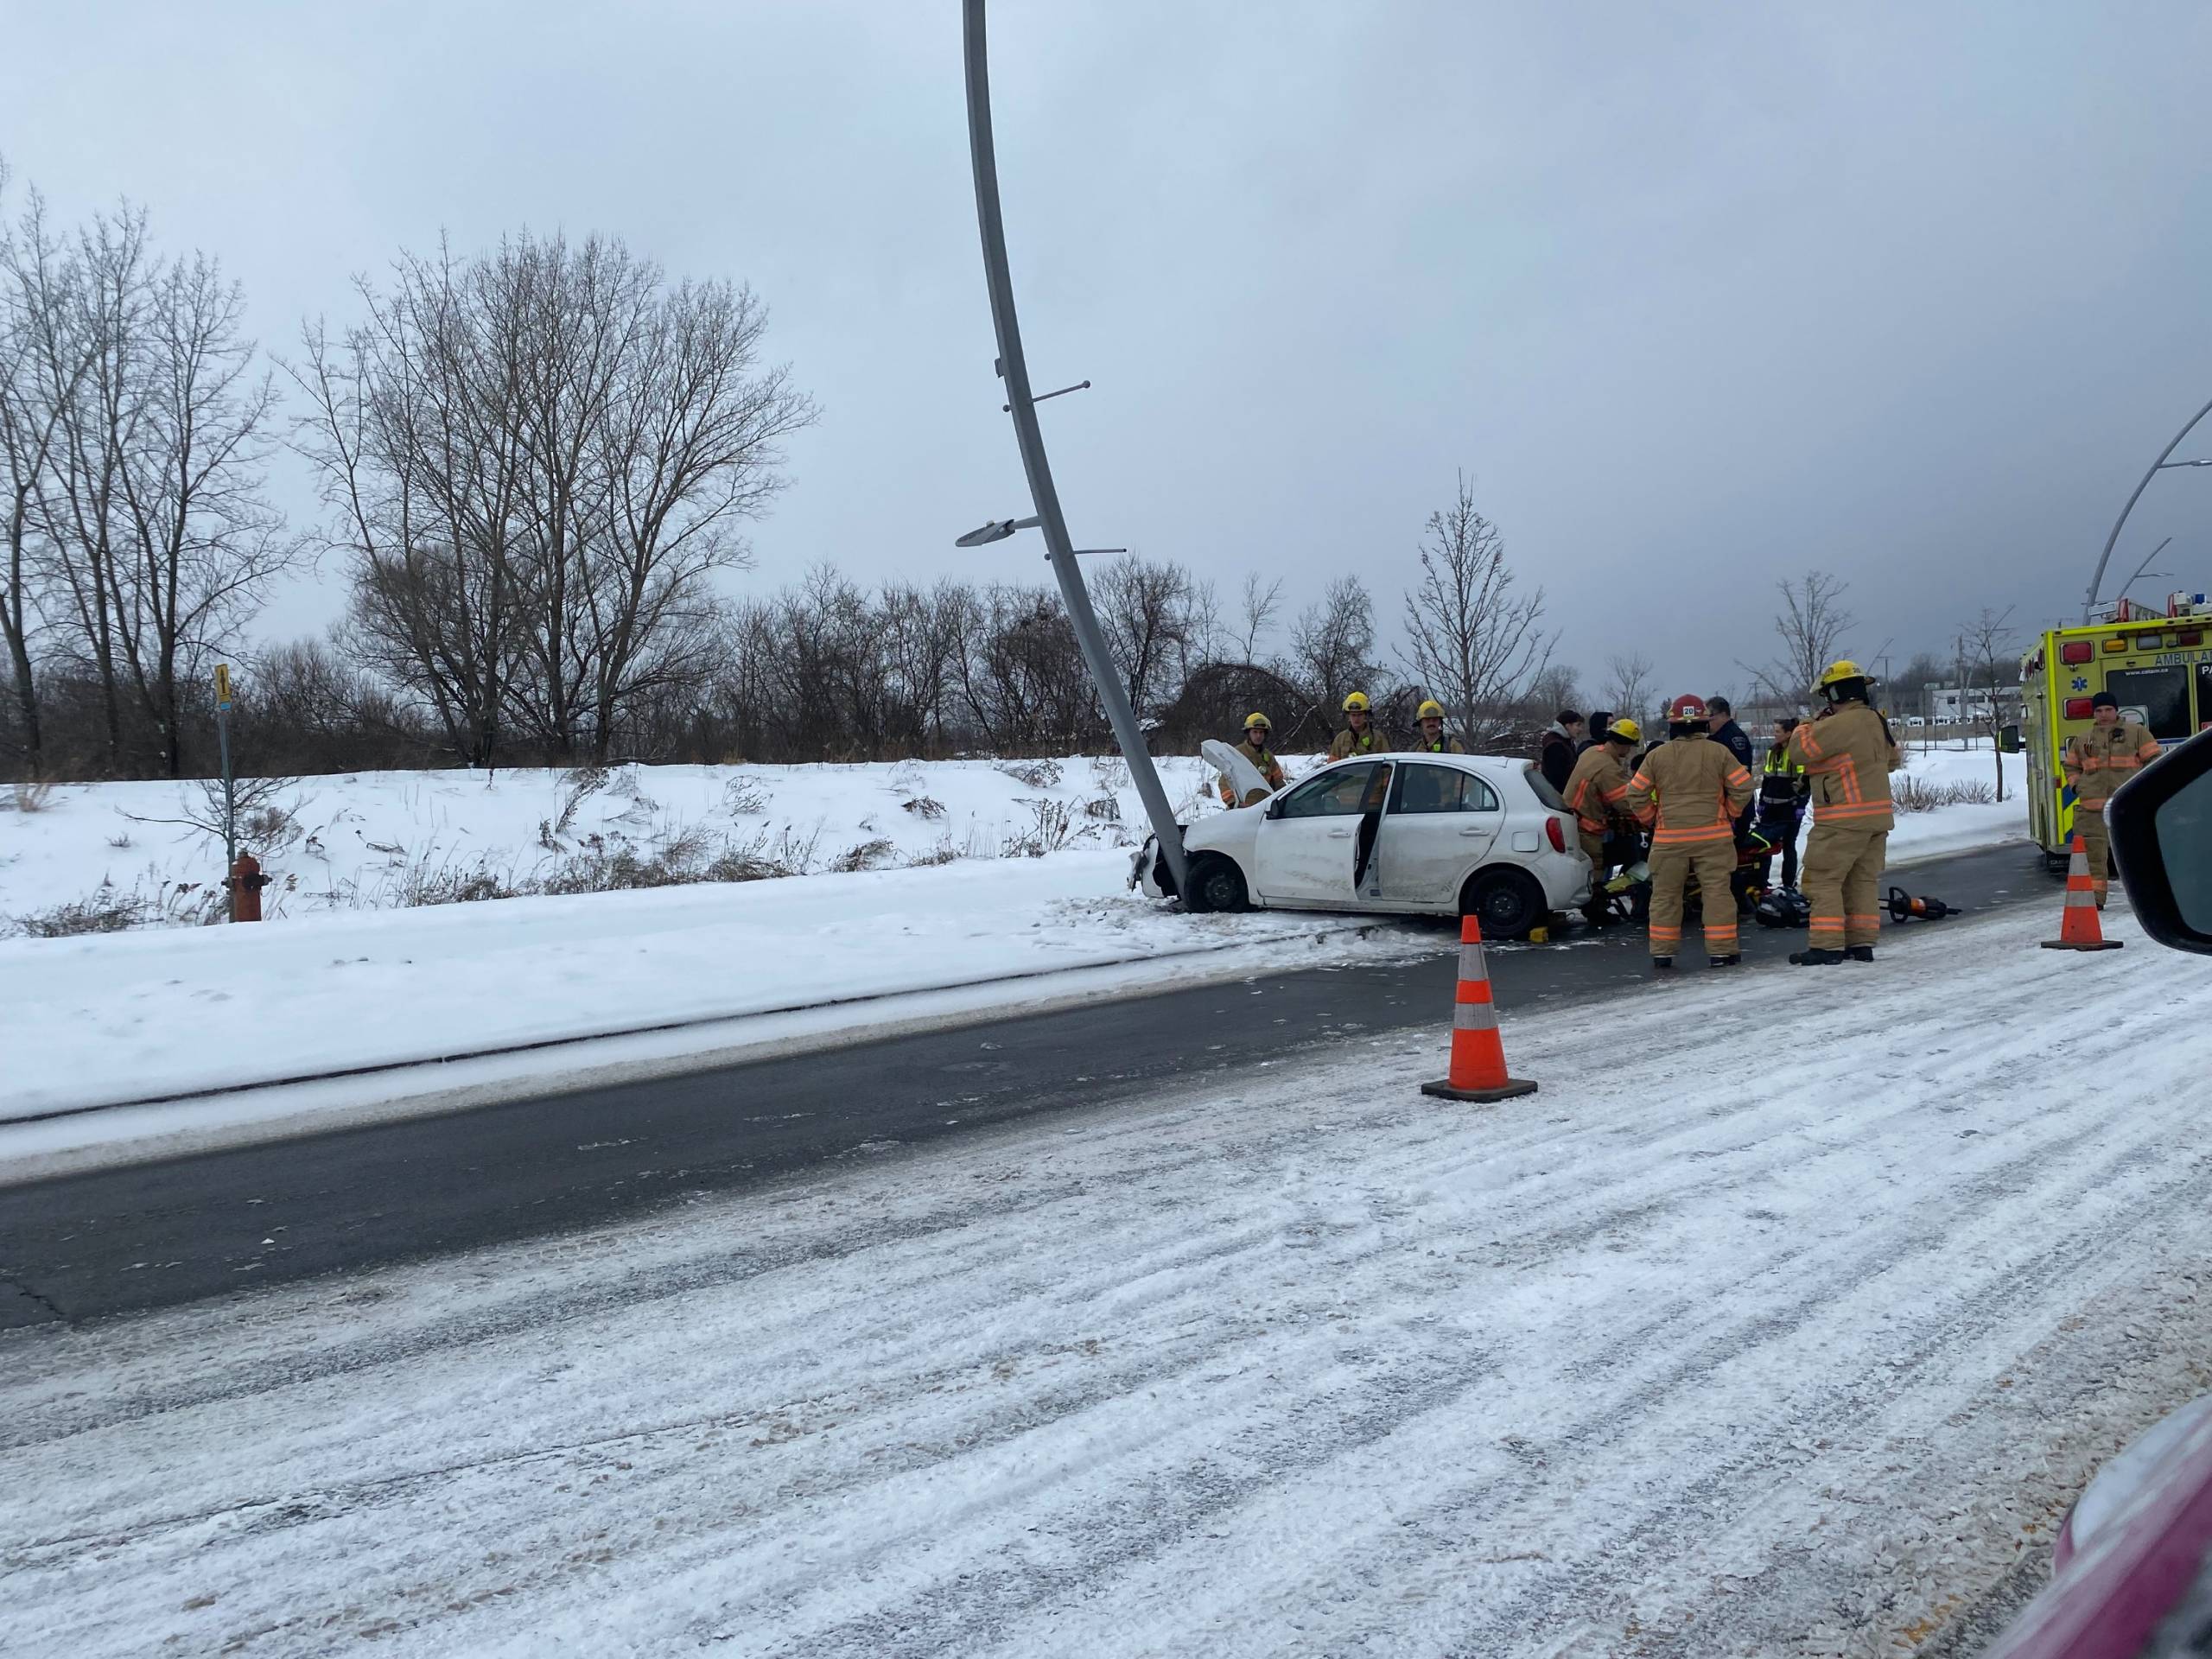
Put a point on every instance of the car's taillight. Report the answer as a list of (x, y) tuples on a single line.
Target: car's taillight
[(1558, 834)]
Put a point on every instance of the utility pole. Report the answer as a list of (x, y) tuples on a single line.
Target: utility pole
[(1030, 438)]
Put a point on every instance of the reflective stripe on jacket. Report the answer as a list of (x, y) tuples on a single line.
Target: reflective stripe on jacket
[(1597, 790), (2100, 759), (1783, 783), (1689, 789), (1848, 752)]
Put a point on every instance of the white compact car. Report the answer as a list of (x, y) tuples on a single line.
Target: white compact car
[(1436, 835)]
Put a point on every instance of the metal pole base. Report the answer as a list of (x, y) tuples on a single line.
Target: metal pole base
[(2098, 945), (1511, 1089)]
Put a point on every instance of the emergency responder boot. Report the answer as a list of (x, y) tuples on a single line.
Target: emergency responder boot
[(1725, 962), (1815, 958), (1663, 964), (1859, 952)]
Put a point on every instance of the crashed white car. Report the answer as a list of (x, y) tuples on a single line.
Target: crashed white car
[(1438, 834)]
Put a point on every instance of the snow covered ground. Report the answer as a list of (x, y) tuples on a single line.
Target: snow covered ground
[(1721, 1345), (94, 1020)]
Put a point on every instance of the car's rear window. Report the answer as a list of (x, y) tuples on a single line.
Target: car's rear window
[(1553, 800)]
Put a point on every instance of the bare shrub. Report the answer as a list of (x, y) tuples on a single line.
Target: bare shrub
[(31, 796), (744, 797), (110, 909), (1911, 794), (106, 912), (1051, 829), (943, 853), (924, 808), (583, 783), (1034, 774), (1102, 808), (867, 856), (121, 843), (423, 884)]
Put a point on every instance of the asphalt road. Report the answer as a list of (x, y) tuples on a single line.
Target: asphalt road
[(159, 1235)]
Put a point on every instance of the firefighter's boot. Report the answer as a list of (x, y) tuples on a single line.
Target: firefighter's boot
[(1859, 952), (1815, 958), (1731, 961), (1663, 964)]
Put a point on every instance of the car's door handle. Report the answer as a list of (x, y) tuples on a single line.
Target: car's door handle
[(1339, 834), (1474, 832)]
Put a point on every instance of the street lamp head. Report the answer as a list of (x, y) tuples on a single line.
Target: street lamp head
[(997, 531)]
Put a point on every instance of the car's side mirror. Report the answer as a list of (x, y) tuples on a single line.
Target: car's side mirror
[(2161, 824)]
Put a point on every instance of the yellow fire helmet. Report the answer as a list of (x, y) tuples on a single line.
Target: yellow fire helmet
[(1258, 722), (1840, 671), (1625, 729), (1430, 710), (1356, 703)]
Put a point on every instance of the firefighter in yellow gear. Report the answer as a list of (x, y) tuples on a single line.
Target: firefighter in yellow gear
[(1359, 736), (1689, 791), (1848, 754), (1257, 730), (1430, 717), (1597, 793), (2098, 761)]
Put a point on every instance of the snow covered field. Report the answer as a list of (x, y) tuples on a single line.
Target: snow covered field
[(1720, 1345), (96, 1019)]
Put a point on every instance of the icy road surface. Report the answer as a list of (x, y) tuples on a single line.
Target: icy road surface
[(1781, 1322)]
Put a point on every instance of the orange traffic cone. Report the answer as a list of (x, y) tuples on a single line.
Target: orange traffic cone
[(2080, 929), (1477, 1055)]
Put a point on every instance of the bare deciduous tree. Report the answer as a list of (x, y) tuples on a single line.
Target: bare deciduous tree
[(1630, 689), (160, 538), (1156, 620), (1474, 642), (1556, 688), (1810, 627), (1333, 645), (1986, 660), (1257, 609), (44, 356), (539, 458)]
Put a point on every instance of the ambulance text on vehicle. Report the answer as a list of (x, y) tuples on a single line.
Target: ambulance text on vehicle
[(2156, 664)]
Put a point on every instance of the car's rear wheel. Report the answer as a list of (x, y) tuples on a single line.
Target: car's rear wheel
[(1507, 902), (1215, 884)]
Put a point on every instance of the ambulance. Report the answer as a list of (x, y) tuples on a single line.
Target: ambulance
[(2156, 664)]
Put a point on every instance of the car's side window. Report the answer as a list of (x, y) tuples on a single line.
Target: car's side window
[(1427, 789), (1439, 789), (1345, 791)]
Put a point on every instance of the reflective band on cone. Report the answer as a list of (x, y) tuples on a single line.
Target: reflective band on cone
[(1477, 1055), (2079, 929)]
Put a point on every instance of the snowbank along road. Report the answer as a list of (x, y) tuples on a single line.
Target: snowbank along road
[(1780, 1323)]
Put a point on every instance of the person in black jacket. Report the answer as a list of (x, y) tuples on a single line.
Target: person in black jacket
[(1728, 733), (1594, 733), (1555, 754)]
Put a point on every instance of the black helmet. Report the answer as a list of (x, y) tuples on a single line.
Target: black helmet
[(1783, 907)]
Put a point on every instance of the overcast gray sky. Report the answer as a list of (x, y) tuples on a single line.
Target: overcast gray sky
[(1701, 296)]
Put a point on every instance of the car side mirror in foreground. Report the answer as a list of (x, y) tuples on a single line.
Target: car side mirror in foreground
[(2161, 824)]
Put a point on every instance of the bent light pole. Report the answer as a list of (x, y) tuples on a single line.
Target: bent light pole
[(2158, 466), (1031, 439)]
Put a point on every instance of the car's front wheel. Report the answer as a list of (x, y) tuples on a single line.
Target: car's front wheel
[(1215, 884), (1507, 902)]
